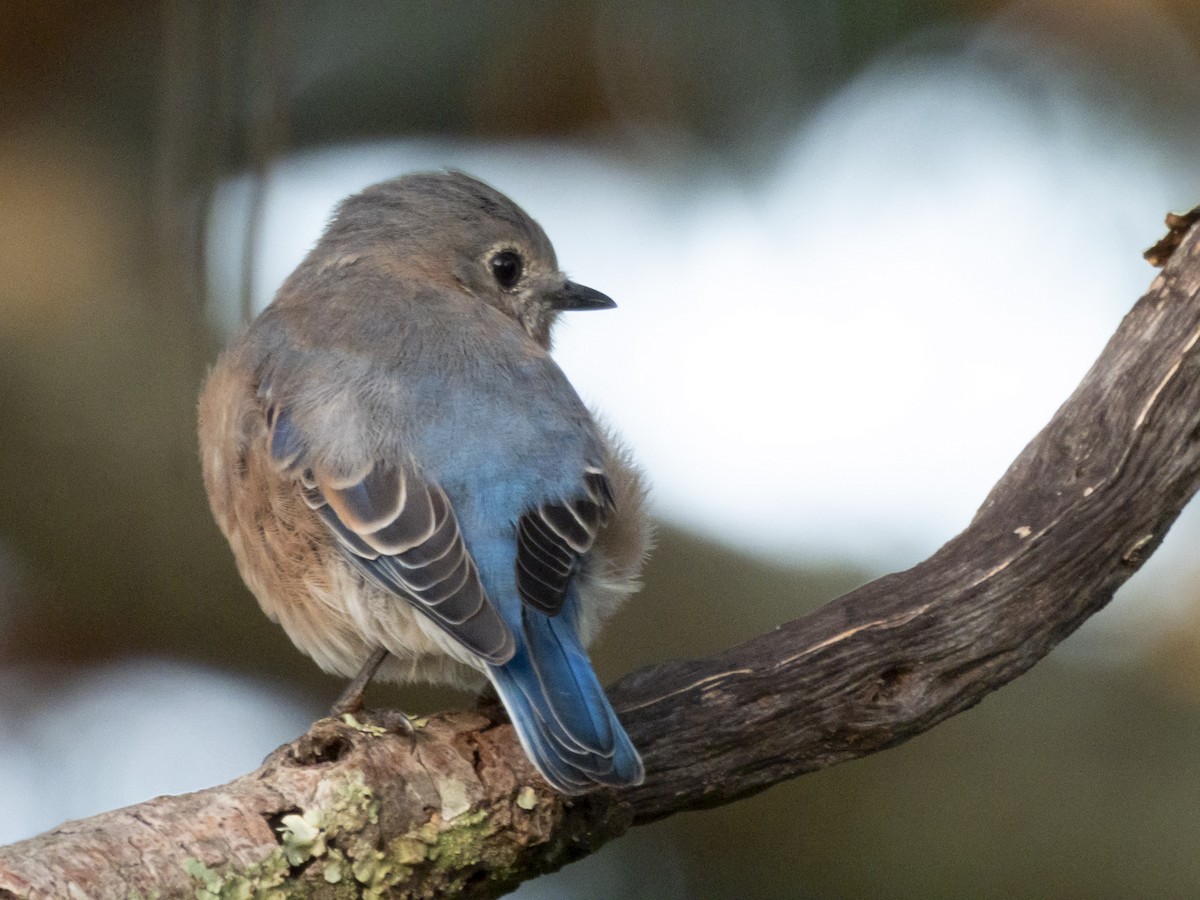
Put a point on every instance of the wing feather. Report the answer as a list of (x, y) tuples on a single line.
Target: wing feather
[(401, 532), (552, 538)]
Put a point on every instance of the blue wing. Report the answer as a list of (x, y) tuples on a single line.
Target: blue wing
[(401, 533)]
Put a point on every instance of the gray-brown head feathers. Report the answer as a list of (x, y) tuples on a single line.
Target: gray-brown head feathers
[(451, 229)]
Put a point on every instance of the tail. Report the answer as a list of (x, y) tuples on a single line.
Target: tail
[(562, 716)]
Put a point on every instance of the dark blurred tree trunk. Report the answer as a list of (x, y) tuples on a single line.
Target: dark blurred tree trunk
[(222, 104)]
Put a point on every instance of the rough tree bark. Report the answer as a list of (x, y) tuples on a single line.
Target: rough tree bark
[(361, 810)]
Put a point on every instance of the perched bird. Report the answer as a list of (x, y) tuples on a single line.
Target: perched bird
[(409, 482)]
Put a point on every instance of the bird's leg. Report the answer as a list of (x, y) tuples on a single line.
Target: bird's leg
[(351, 698), (392, 721)]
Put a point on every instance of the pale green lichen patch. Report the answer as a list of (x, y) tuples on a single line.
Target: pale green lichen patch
[(210, 881), (349, 804), (302, 837), (335, 867), (409, 851), (527, 798), (258, 882), (376, 873), (462, 845), (328, 842), (428, 833), (342, 809)]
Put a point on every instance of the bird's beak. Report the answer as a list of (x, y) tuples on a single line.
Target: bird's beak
[(575, 296)]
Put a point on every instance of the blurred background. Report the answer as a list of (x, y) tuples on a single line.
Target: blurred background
[(862, 250)]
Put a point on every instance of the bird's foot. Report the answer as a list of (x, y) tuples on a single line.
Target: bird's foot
[(382, 721), (350, 700)]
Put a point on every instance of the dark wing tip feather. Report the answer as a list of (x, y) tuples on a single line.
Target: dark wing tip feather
[(552, 537)]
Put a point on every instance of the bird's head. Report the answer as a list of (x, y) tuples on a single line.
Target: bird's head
[(450, 228)]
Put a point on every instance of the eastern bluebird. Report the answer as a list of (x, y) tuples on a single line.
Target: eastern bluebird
[(409, 482)]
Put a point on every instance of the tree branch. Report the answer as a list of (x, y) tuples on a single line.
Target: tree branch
[(350, 809)]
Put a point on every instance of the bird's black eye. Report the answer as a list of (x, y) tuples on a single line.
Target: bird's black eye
[(507, 267)]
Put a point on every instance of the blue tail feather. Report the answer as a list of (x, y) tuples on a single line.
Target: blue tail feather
[(573, 695), (560, 711)]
